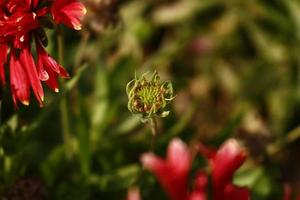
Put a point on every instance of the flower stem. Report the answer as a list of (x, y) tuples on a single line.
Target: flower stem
[(292, 136), (153, 124), (63, 103)]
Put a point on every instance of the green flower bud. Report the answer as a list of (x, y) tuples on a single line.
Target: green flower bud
[(149, 98)]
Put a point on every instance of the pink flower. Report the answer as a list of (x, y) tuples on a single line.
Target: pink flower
[(19, 27), (172, 173), (68, 12)]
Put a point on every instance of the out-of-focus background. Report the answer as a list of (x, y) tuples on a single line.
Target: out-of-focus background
[(235, 69)]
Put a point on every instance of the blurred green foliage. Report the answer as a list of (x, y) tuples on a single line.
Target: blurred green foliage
[(235, 68)]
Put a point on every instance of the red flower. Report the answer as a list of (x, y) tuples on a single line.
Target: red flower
[(224, 163), (68, 12), (19, 26), (172, 173)]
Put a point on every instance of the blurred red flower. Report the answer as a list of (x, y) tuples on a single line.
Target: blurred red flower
[(20, 24), (172, 172), (68, 12), (224, 163)]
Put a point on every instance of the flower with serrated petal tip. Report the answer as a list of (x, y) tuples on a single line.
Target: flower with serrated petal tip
[(21, 24)]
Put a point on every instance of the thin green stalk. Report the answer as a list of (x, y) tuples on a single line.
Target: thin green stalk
[(63, 103), (153, 125), (292, 136)]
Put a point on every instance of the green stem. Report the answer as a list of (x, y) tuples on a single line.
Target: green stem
[(81, 50), (292, 136), (63, 103), (153, 125)]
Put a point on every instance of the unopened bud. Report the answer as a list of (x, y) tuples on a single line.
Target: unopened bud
[(149, 97)]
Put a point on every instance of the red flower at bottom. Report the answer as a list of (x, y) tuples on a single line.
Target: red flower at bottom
[(224, 163), (172, 173)]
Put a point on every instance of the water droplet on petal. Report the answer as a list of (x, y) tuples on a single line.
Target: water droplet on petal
[(43, 75)]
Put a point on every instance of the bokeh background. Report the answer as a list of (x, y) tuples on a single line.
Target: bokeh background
[(235, 69)]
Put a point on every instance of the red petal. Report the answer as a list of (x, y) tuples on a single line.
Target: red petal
[(52, 81), (42, 73), (236, 193), (35, 3), (152, 162), (3, 59), (199, 192), (178, 156), (63, 73), (19, 82), (226, 161), (20, 23), (47, 62), (45, 59), (173, 172), (29, 65), (41, 12), (207, 152), (18, 5), (201, 181), (68, 12), (50, 62)]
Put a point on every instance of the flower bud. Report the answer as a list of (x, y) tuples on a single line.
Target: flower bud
[(149, 97)]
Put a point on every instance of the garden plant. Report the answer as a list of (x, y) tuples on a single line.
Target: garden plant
[(149, 100)]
